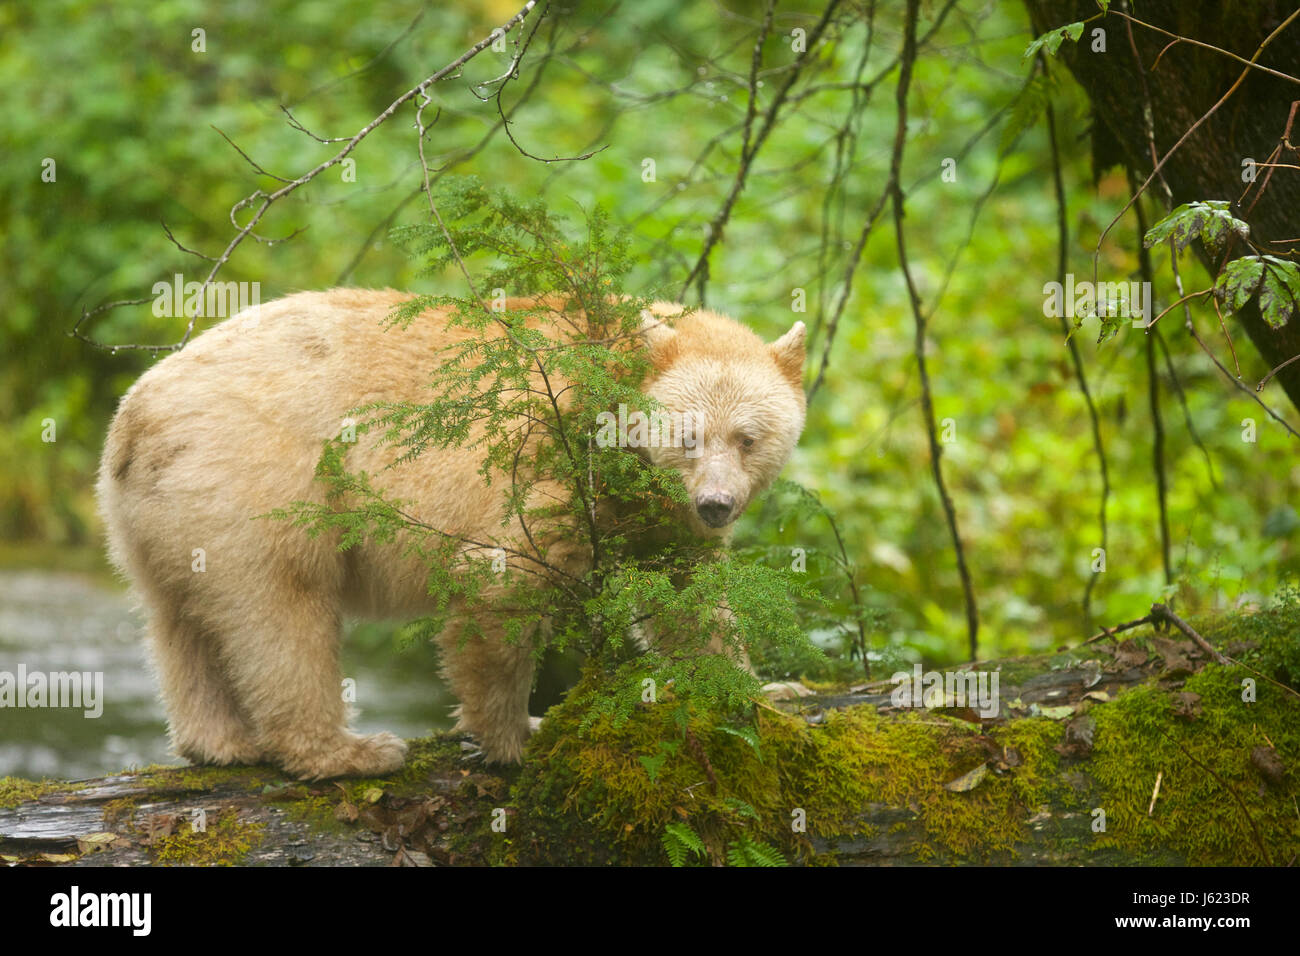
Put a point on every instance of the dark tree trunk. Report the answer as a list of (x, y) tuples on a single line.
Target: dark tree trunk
[(1184, 85)]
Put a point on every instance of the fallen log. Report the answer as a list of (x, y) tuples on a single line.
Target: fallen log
[(1141, 751)]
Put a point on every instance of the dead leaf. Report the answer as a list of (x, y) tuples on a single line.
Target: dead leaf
[(1129, 655), (1175, 656), (1078, 737), (96, 841), (1187, 705), (1268, 763), (968, 781), (157, 826), (347, 812)]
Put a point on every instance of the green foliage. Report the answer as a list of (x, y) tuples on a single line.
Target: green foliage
[(1209, 221), (1051, 40), (133, 146), (1028, 108), (679, 840), (1276, 631), (1276, 281), (745, 852)]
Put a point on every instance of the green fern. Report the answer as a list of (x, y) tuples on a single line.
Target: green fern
[(747, 852), (679, 840)]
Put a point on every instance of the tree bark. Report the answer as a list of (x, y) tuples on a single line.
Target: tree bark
[(1180, 89)]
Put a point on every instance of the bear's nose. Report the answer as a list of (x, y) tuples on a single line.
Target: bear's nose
[(715, 510)]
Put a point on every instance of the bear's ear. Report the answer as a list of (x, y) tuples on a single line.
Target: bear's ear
[(660, 337), (788, 353)]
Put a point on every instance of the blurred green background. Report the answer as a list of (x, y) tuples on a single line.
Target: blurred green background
[(123, 104)]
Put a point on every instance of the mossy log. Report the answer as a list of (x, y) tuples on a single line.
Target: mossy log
[(1144, 751)]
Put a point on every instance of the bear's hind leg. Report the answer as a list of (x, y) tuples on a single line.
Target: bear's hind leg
[(284, 664), (203, 720)]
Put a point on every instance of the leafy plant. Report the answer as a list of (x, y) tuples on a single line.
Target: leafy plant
[(1275, 281), (679, 840), (1051, 40), (1209, 221)]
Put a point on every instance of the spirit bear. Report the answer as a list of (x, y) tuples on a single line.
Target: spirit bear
[(244, 616)]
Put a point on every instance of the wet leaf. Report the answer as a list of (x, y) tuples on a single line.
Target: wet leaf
[(1078, 737), (968, 781), (1057, 713), (1269, 764), (96, 841), (1187, 705)]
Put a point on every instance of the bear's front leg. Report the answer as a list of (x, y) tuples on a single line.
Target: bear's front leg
[(493, 680)]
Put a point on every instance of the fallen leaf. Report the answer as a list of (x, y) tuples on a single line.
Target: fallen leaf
[(1268, 763), (1100, 695), (95, 841), (1057, 713), (1129, 654), (969, 780), (1175, 656), (347, 812), (1078, 737), (1187, 705), (373, 795)]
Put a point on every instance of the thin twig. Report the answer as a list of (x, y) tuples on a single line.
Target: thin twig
[(918, 315), (264, 200)]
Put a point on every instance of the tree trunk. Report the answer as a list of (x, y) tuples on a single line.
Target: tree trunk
[(1184, 85)]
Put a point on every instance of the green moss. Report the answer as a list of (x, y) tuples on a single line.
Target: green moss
[(590, 797), (120, 814), (224, 842), (16, 790), (424, 757), (201, 779), (1196, 819), (1036, 781)]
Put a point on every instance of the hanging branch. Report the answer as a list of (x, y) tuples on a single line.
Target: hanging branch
[(1153, 393), (1062, 263), (750, 148), (263, 200), (918, 315)]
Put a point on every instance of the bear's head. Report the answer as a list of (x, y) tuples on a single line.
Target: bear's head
[(742, 401)]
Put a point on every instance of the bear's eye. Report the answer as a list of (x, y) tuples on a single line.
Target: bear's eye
[(746, 442)]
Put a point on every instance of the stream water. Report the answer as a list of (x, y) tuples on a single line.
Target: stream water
[(55, 622)]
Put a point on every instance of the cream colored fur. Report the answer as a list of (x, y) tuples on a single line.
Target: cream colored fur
[(246, 650)]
